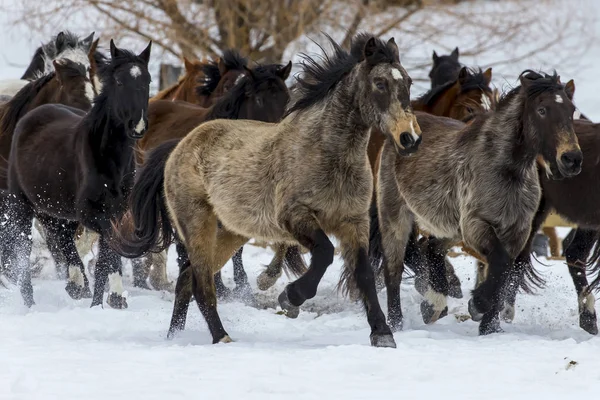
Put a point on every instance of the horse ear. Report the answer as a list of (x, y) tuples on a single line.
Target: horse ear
[(114, 50), (570, 89), (93, 48), (435, 57), (86, 43), (284, 72), (370, 50), (222, 66), (145, 54), (249, 72), (463, 75), (391, 44), (487, 76), (188, 64), (454, 54), (60, 42)]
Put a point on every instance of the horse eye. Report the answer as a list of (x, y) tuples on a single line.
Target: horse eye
[(469, 110), (380, 85), (541, 111)]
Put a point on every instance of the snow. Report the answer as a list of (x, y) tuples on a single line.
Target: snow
[(63, 349)]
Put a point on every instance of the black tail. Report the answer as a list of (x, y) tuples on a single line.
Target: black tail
[(293, 263), (146, 226), (375, 239)]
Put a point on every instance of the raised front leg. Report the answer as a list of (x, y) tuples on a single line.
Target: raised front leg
[(577, 254), (272, 273)]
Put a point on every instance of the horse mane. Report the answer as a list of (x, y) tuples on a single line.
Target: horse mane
[(50, 50), (539, 83), (475, 80), (321, 74), (14, 109), (228, 106), (232, 59)]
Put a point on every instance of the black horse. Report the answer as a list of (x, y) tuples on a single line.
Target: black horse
[(68, 167)]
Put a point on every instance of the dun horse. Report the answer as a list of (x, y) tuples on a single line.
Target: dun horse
[(477, 183), (68, 167), (295, 181)]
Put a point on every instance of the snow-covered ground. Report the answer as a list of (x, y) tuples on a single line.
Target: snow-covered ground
[(62, 349)]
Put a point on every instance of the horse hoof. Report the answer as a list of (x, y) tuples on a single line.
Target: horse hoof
[(508, 313), (245, 295), (74, 290), (225, 339), (265, 281), (489, 328), (116, 301), (383, 340), (475, 314), (587, 322), (290, 310), (430, 314)]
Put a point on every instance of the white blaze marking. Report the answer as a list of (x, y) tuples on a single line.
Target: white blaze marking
[(577, 114), (485, 102), (238, 79), (135, 71), (412, 132), (89, 91), (396, 74), (558, 98), (115, 283), (139, 128), (75, 275)]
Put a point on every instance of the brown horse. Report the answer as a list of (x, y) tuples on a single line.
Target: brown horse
[(205, 81), (291, 182), (478, 183)]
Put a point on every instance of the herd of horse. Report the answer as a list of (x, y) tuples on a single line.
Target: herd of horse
[(230, 153)]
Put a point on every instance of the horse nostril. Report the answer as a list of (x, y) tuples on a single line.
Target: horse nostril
[(406, 140), (572, 159)]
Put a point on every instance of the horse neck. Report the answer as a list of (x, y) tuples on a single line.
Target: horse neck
[(111, 148), (51, 92), (443, 103), (514, 142)]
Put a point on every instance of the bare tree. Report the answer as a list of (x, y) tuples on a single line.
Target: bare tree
[(501, 34)]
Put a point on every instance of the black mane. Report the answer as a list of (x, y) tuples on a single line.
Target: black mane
[(233, 61), (322, 73), (540, 83), (475, 80), (228, 106), (16, 107)]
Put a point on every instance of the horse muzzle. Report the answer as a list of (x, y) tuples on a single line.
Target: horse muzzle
[(570, 163)]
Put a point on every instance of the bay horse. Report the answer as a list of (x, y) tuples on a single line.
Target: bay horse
[(185, 87), (260, 94), (69, 167), (477, 183), (289, 182), (64, 45), (69, 85), (445, 68)]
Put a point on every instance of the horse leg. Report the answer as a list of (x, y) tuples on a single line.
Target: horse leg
[(516, 277), (272, 273), (301, 223), (434, 306), (19, 246), (358, 276), (54, 249), (577, 254), (242, 290), (223, 292), (183, 292), (62, 234), (158, 272), (454, 285), (550, 231), (141, 267), (108, 268)]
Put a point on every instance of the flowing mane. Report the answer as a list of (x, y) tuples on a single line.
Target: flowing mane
[(232, 60), (322, 73)]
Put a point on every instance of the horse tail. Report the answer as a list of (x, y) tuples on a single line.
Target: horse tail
[(532, 279), (375, 238), (293, 263), (146, 226)]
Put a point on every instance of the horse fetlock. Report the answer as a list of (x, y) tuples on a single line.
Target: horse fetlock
[(476, 315), (489, 324), (395, 320), (290, 310), (454, 287), (508, 313), (76, 276)]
